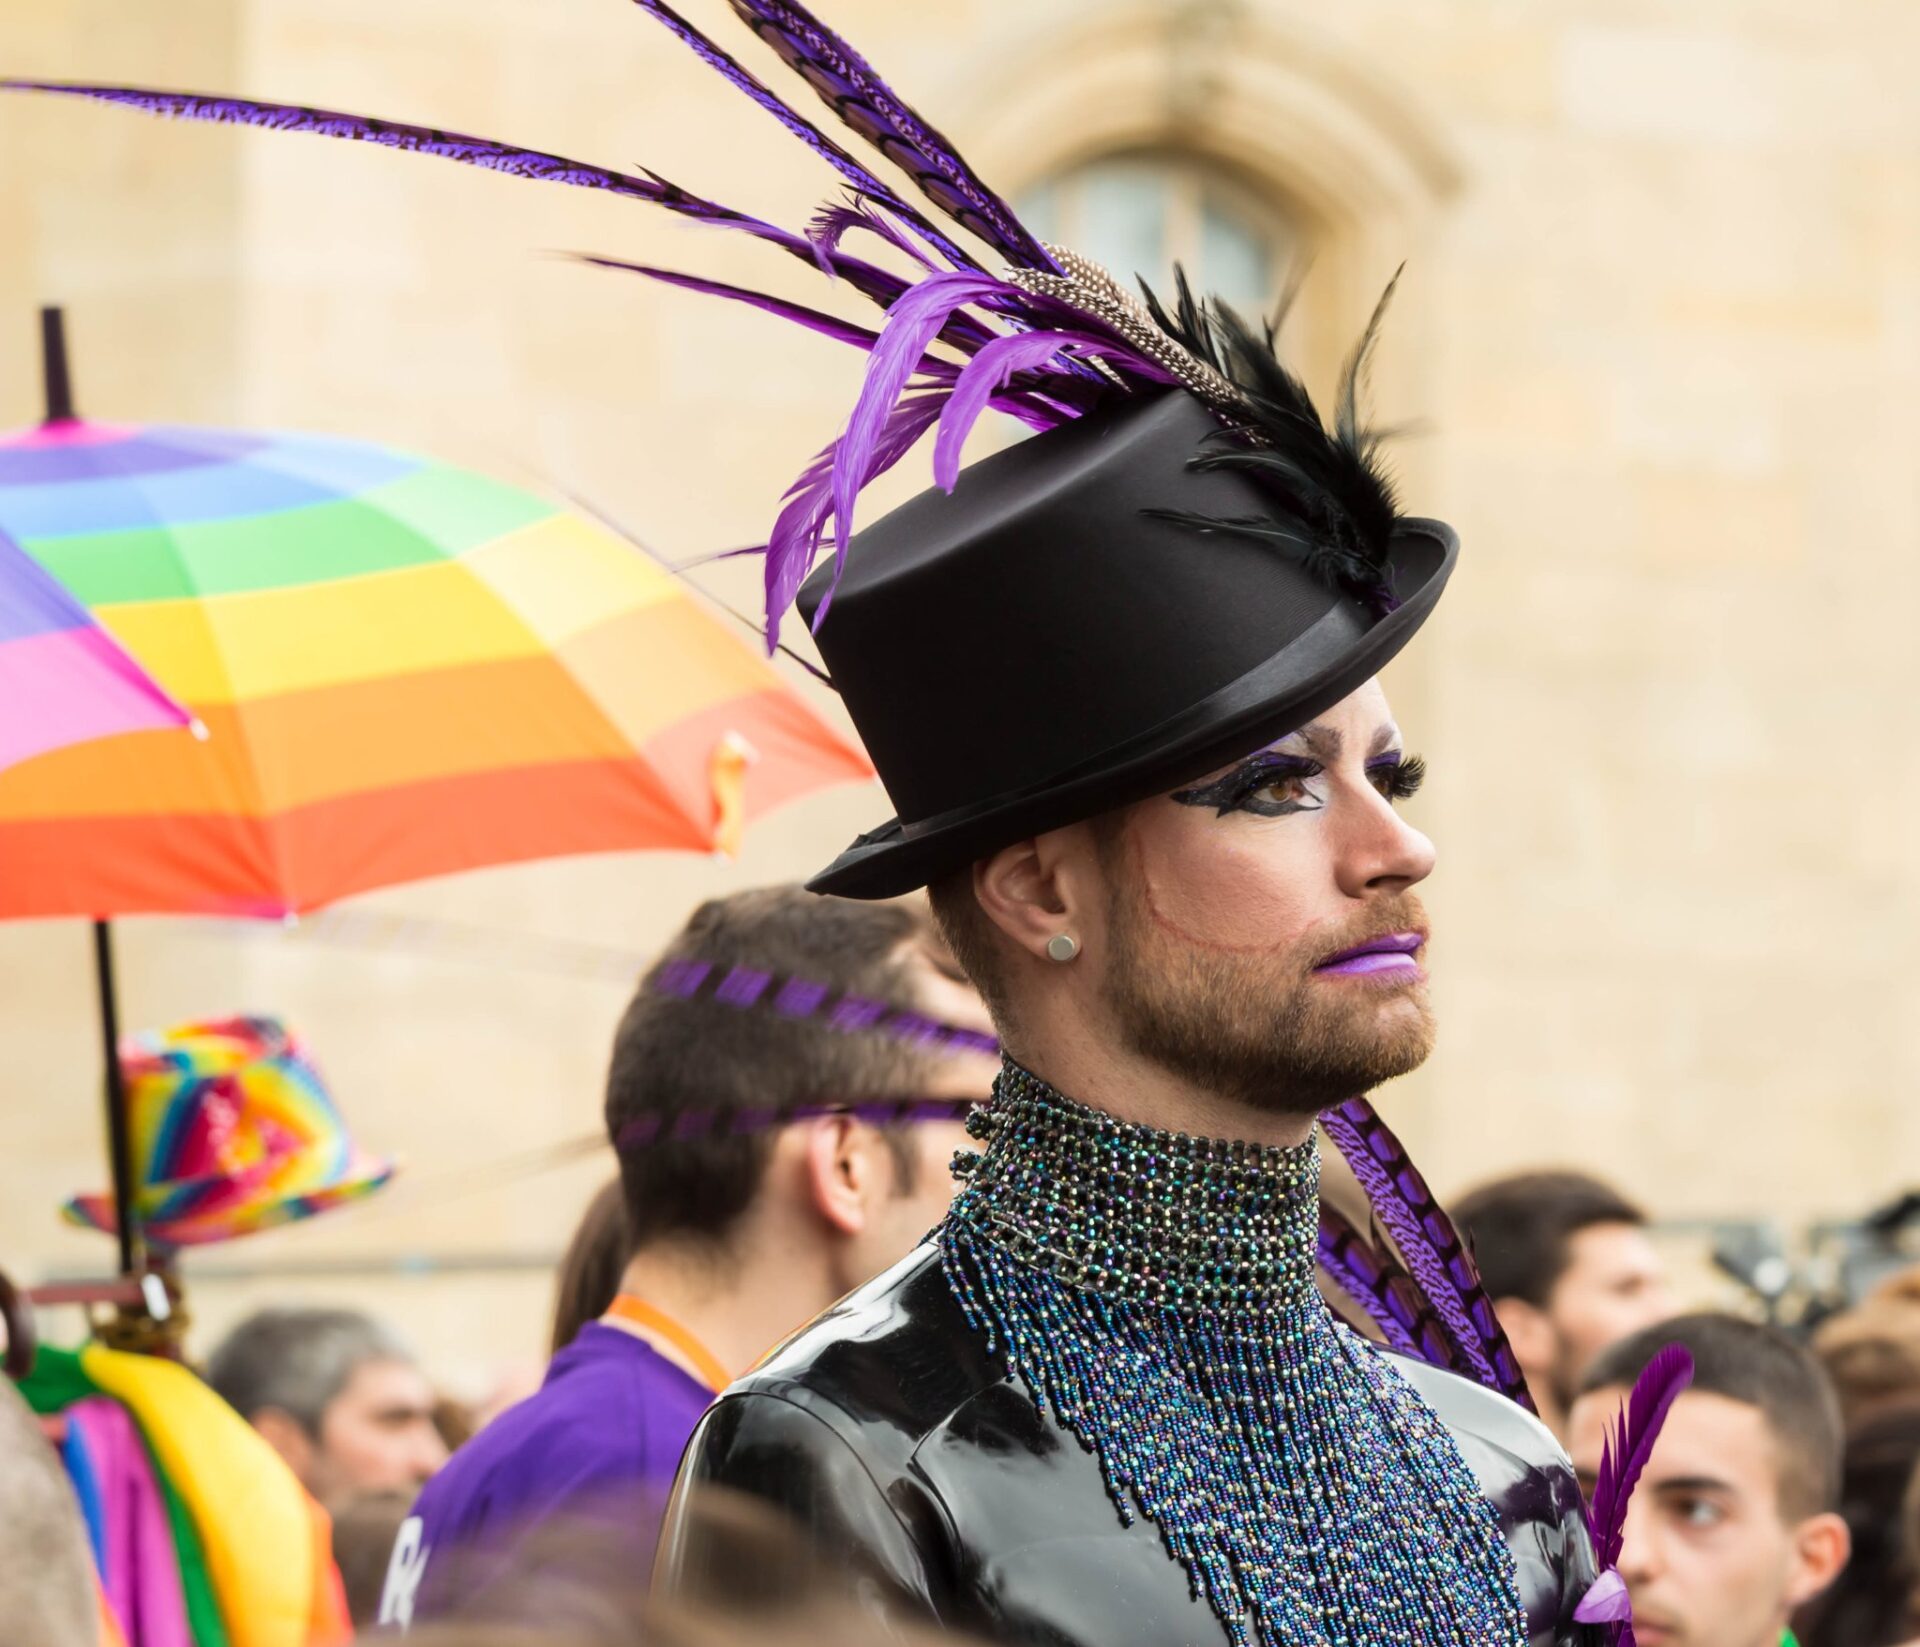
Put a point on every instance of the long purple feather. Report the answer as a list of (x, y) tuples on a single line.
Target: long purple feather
[(848, 85), (754, 88), (881, 285), (1428, 1243), (814, 320)]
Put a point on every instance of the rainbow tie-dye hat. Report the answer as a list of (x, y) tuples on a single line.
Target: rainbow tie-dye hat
[(233, 1132)]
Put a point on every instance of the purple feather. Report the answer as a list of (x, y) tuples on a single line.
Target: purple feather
[(848, 85), (831, 223), (1626, 1450), (880, 285), (1352, 1266), (743, 80), (801, 527), (912, 323), (988, 374), (1428, 1243), (814, 320)]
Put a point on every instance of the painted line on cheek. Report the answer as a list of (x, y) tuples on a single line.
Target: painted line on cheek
[(1168, 924)]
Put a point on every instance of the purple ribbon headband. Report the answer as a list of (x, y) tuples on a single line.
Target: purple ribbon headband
[(750, 988)]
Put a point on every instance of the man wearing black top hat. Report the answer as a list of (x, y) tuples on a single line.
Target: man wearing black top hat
[(1119, 683)]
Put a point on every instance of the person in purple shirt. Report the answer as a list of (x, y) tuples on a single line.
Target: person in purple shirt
[(785, 1093)]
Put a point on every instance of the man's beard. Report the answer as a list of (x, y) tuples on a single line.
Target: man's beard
[(1261, 1028)]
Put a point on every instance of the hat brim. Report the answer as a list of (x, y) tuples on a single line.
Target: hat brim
[(361, 1178), (1306, 679)]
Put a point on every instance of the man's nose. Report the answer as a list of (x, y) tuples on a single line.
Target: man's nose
[(1381, 851), (1640, 1558), (429, 1452)]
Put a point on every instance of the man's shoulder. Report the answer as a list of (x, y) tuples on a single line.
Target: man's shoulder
[(605, 1411), (892, 1360)]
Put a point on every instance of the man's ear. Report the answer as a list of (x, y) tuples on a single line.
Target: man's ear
[(1037, 889), (1821, 1545), (843, 1172), (1535, 1344), (287, 1436)]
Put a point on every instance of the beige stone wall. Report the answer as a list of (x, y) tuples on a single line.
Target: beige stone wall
[(1662, 325)]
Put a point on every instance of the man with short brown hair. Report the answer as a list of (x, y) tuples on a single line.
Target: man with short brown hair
[(1733, 1522), (784, 1096), (1568, 1264)]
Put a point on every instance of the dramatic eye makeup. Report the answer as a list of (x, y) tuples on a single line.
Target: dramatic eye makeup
[(1272, 785), (1267, 784), (1397, 776)]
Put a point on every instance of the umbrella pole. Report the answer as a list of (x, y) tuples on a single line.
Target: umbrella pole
[(119, 1143), (53, 365)]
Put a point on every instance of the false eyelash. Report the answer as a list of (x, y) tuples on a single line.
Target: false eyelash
[(1402, 774), (1232, 791)]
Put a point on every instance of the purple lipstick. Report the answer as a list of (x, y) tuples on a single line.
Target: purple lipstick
[(1393, 954)]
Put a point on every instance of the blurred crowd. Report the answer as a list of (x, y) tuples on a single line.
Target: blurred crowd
[(1781, 1503)]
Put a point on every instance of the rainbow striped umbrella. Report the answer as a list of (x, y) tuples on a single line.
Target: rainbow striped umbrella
[(405, 669), (63, 679)]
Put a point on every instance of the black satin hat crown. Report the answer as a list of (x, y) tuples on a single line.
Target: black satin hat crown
[(1039, 645)]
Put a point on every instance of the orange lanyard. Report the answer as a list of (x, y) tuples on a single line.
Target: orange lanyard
[(655, 1320)]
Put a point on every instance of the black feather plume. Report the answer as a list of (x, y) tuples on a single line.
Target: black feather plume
[(1334, 505)]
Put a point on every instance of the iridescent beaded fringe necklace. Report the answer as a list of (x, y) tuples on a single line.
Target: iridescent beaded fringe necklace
[(1157, 1292)]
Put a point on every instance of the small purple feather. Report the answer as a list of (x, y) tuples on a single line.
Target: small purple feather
[(1624, 1453), (1630, 1444)]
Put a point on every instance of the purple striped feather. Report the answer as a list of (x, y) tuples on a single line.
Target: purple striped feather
[(848, 85), (757, 90), (1428, 1243), (877, 284)]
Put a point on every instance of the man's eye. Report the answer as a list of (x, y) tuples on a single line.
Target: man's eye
[(1699, 1512), (1269, 786)]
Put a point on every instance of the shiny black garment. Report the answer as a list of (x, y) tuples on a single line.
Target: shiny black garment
[(919, 1466)]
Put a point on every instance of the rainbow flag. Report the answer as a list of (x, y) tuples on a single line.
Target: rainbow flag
[(404, 669)]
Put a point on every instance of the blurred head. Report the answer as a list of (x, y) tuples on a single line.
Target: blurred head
[(337, 1395), (1733, 1524), (1872, 1350), (1217, 924), (46, 1568), (834, 1193), (1570, 1270)]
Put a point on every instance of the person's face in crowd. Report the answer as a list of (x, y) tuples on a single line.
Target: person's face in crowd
[(376, 1435), (1262, 939), (1614, 1284), (1711, 1558)]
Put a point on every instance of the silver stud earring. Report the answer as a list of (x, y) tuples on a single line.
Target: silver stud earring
[(1062, 946)]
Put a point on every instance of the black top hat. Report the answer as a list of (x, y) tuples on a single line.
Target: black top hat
[(1094, 616)]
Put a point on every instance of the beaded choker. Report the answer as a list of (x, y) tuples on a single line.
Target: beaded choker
[(1156, 1292)]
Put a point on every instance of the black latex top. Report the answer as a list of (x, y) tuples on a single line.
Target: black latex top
[(927, 1475)]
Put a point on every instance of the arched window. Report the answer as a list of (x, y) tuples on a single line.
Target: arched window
[(1139, 213)]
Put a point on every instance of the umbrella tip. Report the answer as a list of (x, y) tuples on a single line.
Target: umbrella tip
[(53, 364), (198, 728)]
